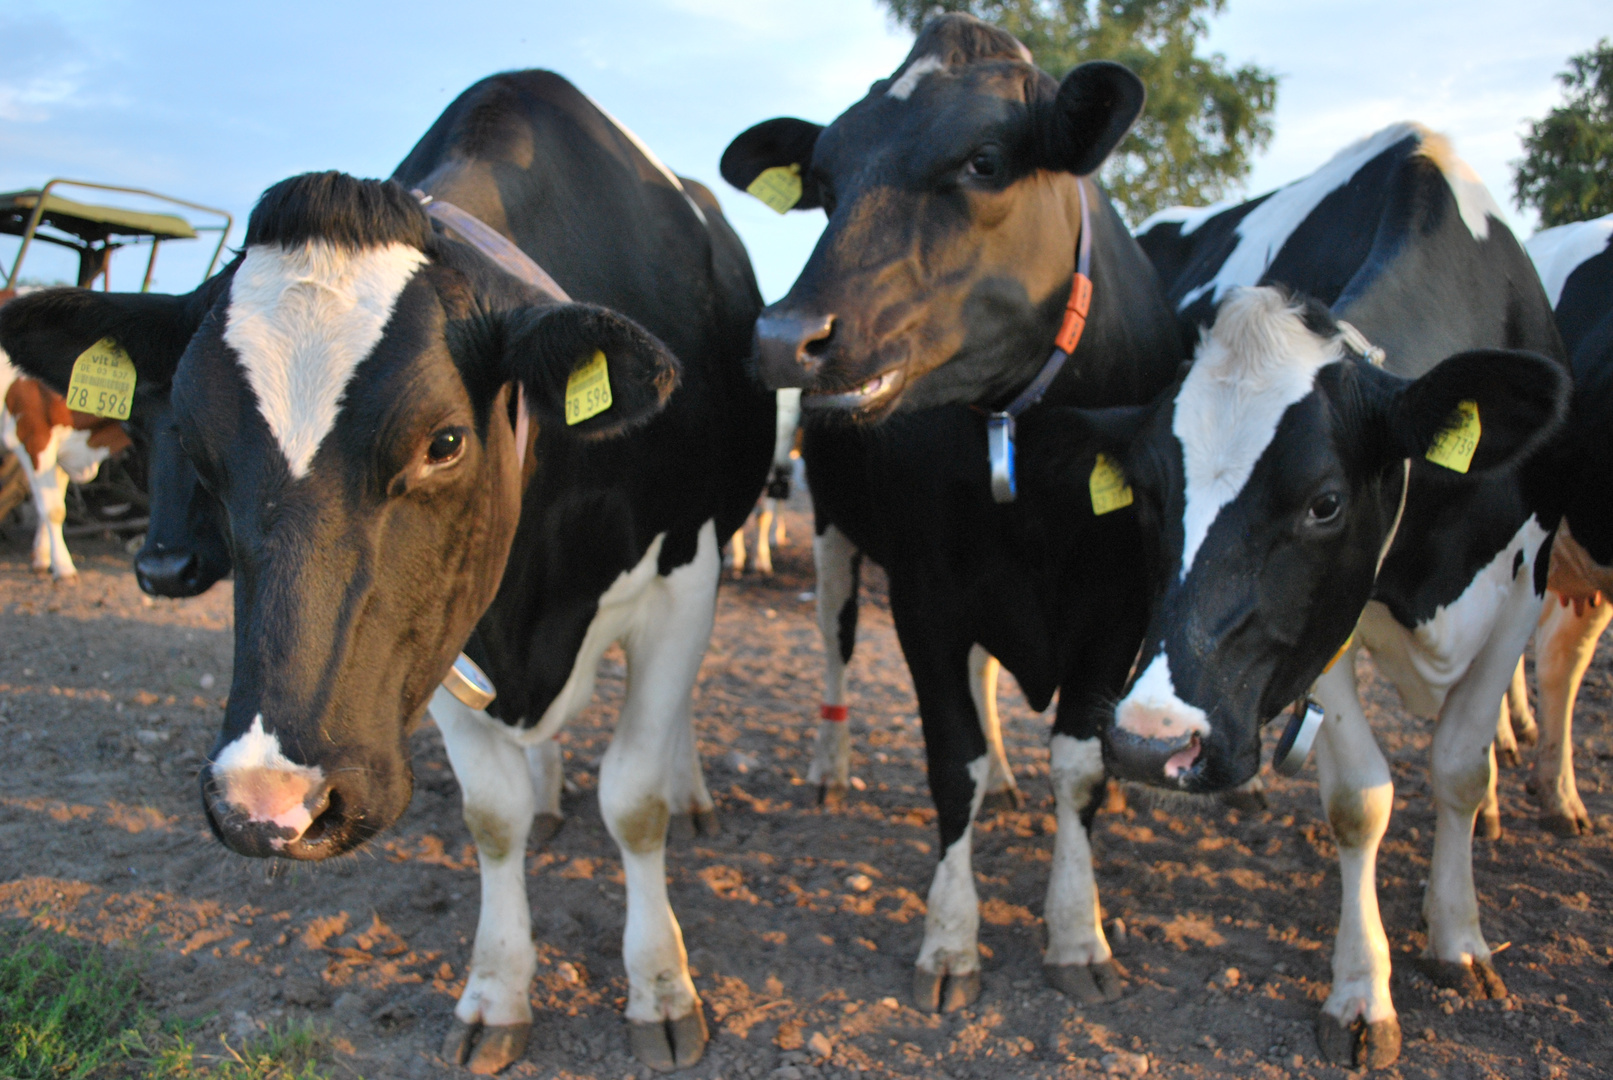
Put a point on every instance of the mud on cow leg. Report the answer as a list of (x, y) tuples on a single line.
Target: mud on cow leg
[(493, 1018), (838, 564), (1078, 962)]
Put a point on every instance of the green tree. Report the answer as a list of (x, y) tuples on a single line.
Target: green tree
[(1567, 167), (1204, 120)]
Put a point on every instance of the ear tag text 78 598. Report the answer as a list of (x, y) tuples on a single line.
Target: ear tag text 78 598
[(588, 390), (1454, 447), (778, 187), (103, 380), (1108, 487)]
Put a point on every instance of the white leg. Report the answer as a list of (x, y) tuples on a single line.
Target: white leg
[(1564, 645), (983, 669), (1078, 961), (764, 525), (951, 949), (780, 538), (836, 560), (1506, 742), (639, 786), (736, 545), (47, 482), (1358, 1025), (1524, 729), (494, 1013), (546, 765)]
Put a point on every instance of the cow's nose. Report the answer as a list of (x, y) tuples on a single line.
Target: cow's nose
[(168, 573), (265, 812), (791, 348)]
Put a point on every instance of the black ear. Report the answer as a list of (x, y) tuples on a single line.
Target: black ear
[(544, 348), (784, 143), (1096, 105), (46, 331), (1058, 450), (1520, 400)]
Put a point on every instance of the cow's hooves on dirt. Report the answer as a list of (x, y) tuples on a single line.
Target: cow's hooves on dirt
[(1488, 826), (1009, 798), (1359, 1045), (544, 828), (485, 1049), (831, 796), (945, 993), (670, 1044), (705, 822), (1090, 984), (1475, 981), (1566, 824)]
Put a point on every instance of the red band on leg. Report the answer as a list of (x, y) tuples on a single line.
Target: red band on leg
[(835, 713)]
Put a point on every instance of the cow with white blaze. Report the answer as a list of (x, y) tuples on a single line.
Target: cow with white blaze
[(1305, 502), (420, 446), (959, 197)]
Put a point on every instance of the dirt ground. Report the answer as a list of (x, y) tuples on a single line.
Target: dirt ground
[(109, 700)]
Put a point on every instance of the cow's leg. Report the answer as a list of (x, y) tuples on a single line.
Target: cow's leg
[(1358, 1025), (1524, 730), (639, 788), (1463, 771), (47, 482), (494, 1016), (736, 547), (546, 765), (780, 538), (1001, 790), (1078, 960), (1564, 645), (838, 563), (1487, 822), (1506, 742), (764, 525)]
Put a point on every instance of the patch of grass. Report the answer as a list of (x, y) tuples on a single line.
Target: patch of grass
[(68, 1012)]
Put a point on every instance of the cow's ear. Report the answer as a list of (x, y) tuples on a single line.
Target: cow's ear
[(1058, 451), (587, 370), (1096, 105), (45, 332), (773, 161), (1481, 410)]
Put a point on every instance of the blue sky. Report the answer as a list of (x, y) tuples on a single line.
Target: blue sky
[(213, 102)]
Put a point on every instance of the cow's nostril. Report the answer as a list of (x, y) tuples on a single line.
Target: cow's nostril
[(328, 820), (818, 340)]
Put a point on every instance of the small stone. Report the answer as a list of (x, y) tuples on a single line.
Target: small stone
[(859, 883), (1126, 1064), (1428, 1035), (1297, 1061), (568, 972), (1117, 932), (820, 1045), (890, 1003), (859, 783), (207, 681), (1561, 999), (1229, 978)]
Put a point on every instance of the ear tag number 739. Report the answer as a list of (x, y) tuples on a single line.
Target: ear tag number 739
[(102, 383)]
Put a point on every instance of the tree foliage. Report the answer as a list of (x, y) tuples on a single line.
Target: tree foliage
[(1204, 120), (1567, 168)]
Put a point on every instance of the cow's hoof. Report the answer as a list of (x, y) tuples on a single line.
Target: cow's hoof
[(1527, 733), (831, 796), (705, 822), (1507, 756), (1090, 984), (1475, 981), (1359, 1045), (941, 992), (1566, 825), (1488, 826), (1009, 798), (485, 1049), (544, 828), (665, 1045)]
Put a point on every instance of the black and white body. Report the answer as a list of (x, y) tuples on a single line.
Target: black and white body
[(955, 193), (770, 531), (1576, 267), (415, 456), (1298, 516)]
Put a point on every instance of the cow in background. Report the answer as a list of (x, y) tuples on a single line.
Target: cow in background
[(1308, 501), (769, 524)]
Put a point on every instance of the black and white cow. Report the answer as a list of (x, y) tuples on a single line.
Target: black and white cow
[(396, 429), (955, 193), (1273, 476), (1576, 267)]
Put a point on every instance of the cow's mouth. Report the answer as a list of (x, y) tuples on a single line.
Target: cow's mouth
[(866, 396)]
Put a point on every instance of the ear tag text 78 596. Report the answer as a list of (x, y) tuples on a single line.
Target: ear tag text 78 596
[(1454, 447), (103, 380), (588, 390), (778, 187), (1108, 487)]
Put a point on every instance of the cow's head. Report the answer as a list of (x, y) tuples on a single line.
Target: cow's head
[(1270, 477), (45, 332), (953, 220)]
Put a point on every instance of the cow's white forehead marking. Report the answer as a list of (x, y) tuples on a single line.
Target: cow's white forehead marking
[(1558, 252), (903, 88), (1265, 229), (302, 319), (1153, 710), (1256, 361), (258, 779)]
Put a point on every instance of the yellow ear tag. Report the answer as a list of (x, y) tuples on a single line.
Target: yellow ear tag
[(102, 383), (1108, 486), (1454, 447), (778, 187), (588, 390)]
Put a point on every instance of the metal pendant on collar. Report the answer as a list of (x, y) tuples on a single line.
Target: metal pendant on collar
[(1298, 737), (1000, 425), (469, 683)]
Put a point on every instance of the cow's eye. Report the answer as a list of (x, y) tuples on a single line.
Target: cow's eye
[(987, 163), (1325, 508), (446, 445)]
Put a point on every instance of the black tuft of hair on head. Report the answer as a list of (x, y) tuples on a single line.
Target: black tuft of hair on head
[(338, 209)]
